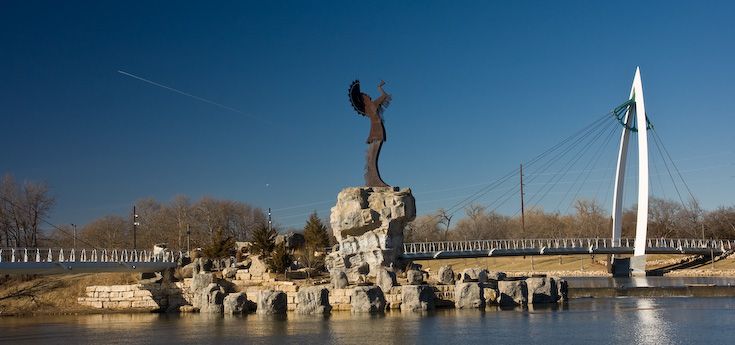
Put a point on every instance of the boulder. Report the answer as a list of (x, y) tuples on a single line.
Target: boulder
[(562, 288), (495, 275), (339, 279), (229, 272), (368, 299), (474, 275), (313, 300), (211, 299), (512, 292), (446, 275), (385, 279), (368, 224), (292, 240), (417, 298), (469, 295), (414, 277), (272, 302), (235, 303), (202, 264), (542, 290), (199, 282), (491, 294)]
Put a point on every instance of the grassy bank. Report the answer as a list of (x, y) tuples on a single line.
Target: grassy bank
[(52, 294)]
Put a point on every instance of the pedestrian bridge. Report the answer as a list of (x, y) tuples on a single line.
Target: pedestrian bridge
[(560, 246), (57, 260)]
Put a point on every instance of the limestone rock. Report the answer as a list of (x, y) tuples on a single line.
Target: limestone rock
[(469, 295), (368, 224), (495, 275), (474, 275), (339, 279), (491, 294), (417, 298), (562, 288), (512, 292), (368, 299), (313, 300), (385, 279), (272, 302), (229, 272), (542, 290), (199, 282), (446, 275), (235, 303), (414, 277), (202, 265), (211, 299)]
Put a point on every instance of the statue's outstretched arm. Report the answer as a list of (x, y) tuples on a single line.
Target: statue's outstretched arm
[(383, 95)]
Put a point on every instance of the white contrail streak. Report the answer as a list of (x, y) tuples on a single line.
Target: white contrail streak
[(198, 98)]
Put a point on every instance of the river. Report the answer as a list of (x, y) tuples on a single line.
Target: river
[(579, 321)]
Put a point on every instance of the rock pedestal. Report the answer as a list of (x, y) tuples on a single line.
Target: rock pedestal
[(368, 224)]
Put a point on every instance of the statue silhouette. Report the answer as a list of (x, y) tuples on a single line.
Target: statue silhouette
[(365, 106)]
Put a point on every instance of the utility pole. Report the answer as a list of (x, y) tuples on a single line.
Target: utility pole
[(523, 214), (188, 237)]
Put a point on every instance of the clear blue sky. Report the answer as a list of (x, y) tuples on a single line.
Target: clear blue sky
[(478, 88)]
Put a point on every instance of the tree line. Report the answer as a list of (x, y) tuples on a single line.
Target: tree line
[(183, 223), (666, 219)]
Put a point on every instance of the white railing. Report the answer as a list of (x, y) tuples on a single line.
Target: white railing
[(487, 245), (86, 255)]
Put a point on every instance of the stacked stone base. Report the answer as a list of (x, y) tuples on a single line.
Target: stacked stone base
[(145, 296)]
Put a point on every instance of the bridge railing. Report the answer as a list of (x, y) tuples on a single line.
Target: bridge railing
[(486, 245), (86, 255)]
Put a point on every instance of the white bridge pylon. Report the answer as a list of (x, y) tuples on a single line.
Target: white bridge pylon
[(636, 112)]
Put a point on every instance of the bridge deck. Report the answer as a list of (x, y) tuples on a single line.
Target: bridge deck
[(568, 246), (66, 261)]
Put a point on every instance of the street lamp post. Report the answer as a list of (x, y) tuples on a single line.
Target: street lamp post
[(135, 229), (75, 234)]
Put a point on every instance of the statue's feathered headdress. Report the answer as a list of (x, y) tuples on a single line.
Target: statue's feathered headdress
[(356, 98)]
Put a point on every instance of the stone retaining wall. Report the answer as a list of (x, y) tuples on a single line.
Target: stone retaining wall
[(147, 296)]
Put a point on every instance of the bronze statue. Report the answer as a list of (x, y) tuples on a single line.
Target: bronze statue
[(365, 106)]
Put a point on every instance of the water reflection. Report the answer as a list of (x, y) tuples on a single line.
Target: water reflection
[(580, 321)]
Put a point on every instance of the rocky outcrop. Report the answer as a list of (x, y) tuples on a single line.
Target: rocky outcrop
[(368, 224), (211, 299), (313, 300), (272, 302), (512, 292), (235, 303), (417, 298), (469, 295), (446, 275), (368, 299)]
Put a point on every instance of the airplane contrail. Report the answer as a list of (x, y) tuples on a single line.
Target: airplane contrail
[(199, 98)]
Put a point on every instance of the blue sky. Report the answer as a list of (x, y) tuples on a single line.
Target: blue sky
[(478, 88)]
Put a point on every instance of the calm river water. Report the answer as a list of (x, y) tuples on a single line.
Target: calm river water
[(579, 321)]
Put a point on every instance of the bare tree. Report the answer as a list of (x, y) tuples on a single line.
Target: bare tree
[(22, 210), (108, 232)]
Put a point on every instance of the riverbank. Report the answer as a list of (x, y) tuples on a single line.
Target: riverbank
[(57, 294)]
